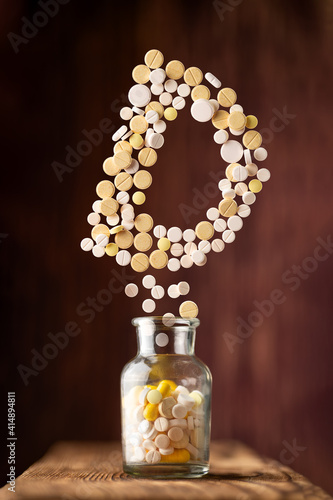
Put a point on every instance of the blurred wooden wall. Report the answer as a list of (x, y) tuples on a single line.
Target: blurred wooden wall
[(274, 387)]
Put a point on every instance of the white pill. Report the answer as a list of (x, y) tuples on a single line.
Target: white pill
[(162, 339), (148, 281), (138, 111), (190, 247), (244, 211), (119, 133), (179, 410), (178, 422), (198, 257), (98, 251), (148, 305), (157, 292), (171, 86), (168, 319), (173, 264), (228, 236), (190, 423), (167, 451), (200, 264), (162, 441), (235, 223), (113, 220), (193, 451), (228, 193), (212, 213), (263, 174), (178, 102), (145, 426), (87, 244), (93, 218), (247, 156), (176, 249), (241, 188), (159, 231), (213, 80), (123, 258), (139, 95), (252, 169), (224, 184), (249, 198), (260, 154), (149, 445), (127, 206), (133, 168), (126, 113), (186, 261), (122, 197), (184, 90), (156, 88), (102, 240), (220, 225), (189, 235), (135, 439), (154, 456), (173, 291), (215, 104), (174, 234), (161, 424), (128, 224), (186, 400), (237, 132), (138, 413), (156, 140), (202, 110), (152, 116), (217, 245), (139, 453), (131, 290), (231, 151), (175, 434), (157, 76), (96, 206), (239, 173), (236, 107), (221, 136), (127, 215), (147, 135), (165, 98), (204, 246), (151, 434), (183, 287), (160, 126)]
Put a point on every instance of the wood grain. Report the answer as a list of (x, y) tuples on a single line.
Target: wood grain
[(78, 470)]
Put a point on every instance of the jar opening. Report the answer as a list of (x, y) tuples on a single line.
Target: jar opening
[(167, 322)]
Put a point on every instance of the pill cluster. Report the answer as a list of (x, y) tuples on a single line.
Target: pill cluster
[(164, 424), (156, 98)]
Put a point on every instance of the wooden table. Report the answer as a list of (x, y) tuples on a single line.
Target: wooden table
[(82, 470)]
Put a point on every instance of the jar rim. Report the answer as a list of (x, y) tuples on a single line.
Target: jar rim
[(176, 321)]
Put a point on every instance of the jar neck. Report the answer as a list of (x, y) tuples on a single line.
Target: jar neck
[(155, 336)]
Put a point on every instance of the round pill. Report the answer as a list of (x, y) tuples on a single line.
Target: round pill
[(203, 262), (161, 424), (87, 244), (96, 206), (171, 86), (170, 114), (220, 119), (155, 106), (136, 141), (109, 206), (237, 121), (126, 113), (179, 410), (204, 246), (156, 88), (151, 116), (190, 247), (139, 95), (158, 259), (143, 223), (140, 263), (175, 234), (124, 239), (175, 70), (140, 73), (99, 229), (111, 249), (154, 58), (147, 156), (202, 110), (162, 340), (263, 174), (122, 159), (122, 197), (94, 218), (128, 224), (157, 292), (163, 244), (159, 126), (255, 186), (236, 132), (183, 288), (217, 245), (215, 104), (252, 139), (149, 281), (227, 207), (153, 457), (204, 230), (251, 169), (193, 76), (231, 151), (105, 189), (134, 167), (251, 121), (142, 179), (113, 220), (154, 396), (159, 231), (168, 319), (165, 98), (212, 213), (176, 249), (131, 290), (244, 211), (157, 76), (173, 291), (227, 97), (138, 198), (198, 257), (224, 184), (102, 240), (189, 235), (175, 433), (220, 225), (235, 223), (249, 198), (221, 136), (156, 140), (260, 154), (240, 173), (186, 261), (228, 193), (240, 188), (143, 242), (123, 258), (178, 103), (162, 441), (123, 146), (173, 265), (124, 181), (228, 236), (200, 92), (139, 124)]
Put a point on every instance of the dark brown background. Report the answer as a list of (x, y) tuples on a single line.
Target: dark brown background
[(277, 385)]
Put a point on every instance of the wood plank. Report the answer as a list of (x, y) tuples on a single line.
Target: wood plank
[(82, 470)]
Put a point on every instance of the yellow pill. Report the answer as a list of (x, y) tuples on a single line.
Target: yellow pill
[(164, 244), (122, 159), (197, 398), (105, 189), (255, 186), (140, 262), (171, 383), (193, 76), (221, 119), (154, 397), (143, 242), (200, 92), (123, 181), (251, 121), (228, 207), (109, 206), (164, 388), (155, 106), (188, 309), (139, 198), (143, 223), (141, 73), (175, 70), (178, 456), (110, 168), (158, 259), (227, 97), (142, 179), (154, 58), (124, 239), (123, 146), (204, 230), (138, 124), (136, 141), (170, 114), (151, 412), (151, 386), (237, 120), (99, 229), (252, 139), (111, 249), (147, 157), (116, 229)]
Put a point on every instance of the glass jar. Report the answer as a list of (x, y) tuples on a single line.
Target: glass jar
[(166, 401)]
